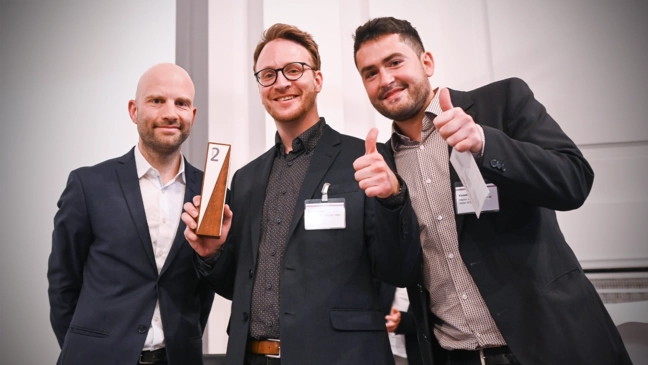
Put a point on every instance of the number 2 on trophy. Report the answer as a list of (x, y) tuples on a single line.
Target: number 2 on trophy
[(215, 152)]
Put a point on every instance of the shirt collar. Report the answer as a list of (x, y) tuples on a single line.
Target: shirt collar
[(305, 141), (432, 110), (144, 167)]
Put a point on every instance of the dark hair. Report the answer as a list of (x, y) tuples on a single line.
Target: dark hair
[(291, 33), (378, 27)]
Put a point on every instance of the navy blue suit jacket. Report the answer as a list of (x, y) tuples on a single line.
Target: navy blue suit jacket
[(103, 281)]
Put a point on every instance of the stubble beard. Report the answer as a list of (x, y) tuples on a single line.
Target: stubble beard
[(164, 145), (307, 104), (418, 92)]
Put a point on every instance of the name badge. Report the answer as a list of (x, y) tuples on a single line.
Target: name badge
[(465, 206), (324, 213)]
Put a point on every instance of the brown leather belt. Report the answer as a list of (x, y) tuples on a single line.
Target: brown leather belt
[(264, 347)]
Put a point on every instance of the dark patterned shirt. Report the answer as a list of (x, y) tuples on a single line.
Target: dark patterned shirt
[(286, 178)]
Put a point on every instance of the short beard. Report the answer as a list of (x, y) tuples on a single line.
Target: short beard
[(308, 103), (163, 148), (419, 93)]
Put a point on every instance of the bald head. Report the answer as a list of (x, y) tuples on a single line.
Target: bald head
[(163, 109), (165, 74)]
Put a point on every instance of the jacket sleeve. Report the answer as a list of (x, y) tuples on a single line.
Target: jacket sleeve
[(393, 236), (528, 154), (71, 242)]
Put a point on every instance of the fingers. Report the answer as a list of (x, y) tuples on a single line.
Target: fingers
[(444, 100), (371, 140), (457, 128)]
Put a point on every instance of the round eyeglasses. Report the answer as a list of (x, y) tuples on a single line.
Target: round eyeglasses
[(292, 72)]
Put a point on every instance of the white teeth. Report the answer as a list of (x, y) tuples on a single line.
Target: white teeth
[(284, 98)]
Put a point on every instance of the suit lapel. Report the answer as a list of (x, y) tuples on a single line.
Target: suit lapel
[(127, 173), (462, 100), (327, 149), (255, 208), (192, 189)]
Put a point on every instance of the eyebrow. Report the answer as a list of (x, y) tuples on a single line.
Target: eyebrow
[(184, 99), (384, 60)]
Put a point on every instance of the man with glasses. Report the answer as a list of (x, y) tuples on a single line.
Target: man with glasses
[(312, 222)]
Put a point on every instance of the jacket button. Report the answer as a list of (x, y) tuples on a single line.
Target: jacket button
[(245, 316), (494, 163), (142, 329), (251, 273)]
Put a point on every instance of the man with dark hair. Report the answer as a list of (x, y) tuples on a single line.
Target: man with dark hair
[(301, 280), (505, 288)]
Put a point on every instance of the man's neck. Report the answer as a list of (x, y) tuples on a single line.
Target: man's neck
[(166, 164), (288, 131), (412, 127)]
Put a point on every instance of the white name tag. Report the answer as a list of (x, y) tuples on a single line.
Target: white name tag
[(465, 206), (324, 215)]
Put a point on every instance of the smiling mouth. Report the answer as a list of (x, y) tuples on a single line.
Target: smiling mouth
[(391, 93), (285, 98)]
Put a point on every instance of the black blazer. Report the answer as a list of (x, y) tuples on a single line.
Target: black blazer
[(330, 310), (103, 281), (406, 327), (531, 281)]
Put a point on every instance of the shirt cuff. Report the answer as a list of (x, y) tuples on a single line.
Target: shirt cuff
[(395, 201), (480, 154)]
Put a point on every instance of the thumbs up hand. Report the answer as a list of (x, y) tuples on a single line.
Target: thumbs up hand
[(372, 172), (456, 127)]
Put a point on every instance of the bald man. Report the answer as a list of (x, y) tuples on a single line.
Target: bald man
[(122, 287)]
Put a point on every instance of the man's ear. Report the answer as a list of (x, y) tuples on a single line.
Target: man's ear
[(428, 63), (319, 81), (132, 110)]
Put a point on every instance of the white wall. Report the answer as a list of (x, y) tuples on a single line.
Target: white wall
[(67, 71)]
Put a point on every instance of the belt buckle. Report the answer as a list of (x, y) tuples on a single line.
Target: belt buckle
[(278, 356)]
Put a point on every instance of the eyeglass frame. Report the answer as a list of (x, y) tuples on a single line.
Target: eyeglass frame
[(276, 72)]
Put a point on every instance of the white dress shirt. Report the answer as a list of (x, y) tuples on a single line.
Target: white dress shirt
[(163, 207)]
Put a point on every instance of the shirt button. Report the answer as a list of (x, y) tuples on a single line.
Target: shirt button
[(269, 286), (451, 256), (278, 221), (289, 164), (269, 324), (427, 181), (422, 147), (283, 191), (439, 217), (273, 252), (156, 319), (464, 296), (477, 334)]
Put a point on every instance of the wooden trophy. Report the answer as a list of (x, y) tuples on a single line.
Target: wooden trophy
[(214, 188)]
